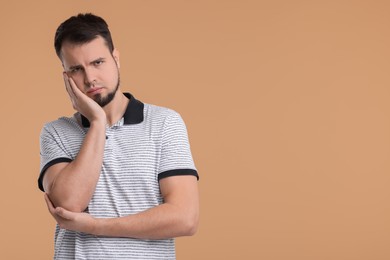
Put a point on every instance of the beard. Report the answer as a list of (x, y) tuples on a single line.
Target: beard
[(105, 100)]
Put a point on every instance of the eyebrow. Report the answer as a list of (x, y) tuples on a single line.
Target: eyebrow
[(98, 59), (92, 62), (75, 67)]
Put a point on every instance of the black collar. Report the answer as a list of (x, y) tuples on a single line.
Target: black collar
[(134, 113)]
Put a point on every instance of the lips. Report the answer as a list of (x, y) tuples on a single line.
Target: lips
[(94, 90)]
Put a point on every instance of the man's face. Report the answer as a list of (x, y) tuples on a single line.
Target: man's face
[(93, 68)]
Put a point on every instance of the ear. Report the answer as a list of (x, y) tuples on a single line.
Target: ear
[(115, 55), (64, 71)]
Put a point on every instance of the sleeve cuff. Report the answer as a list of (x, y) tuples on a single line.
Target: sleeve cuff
[(43, 171), (178, 172)]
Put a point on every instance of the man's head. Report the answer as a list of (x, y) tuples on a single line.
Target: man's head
[(84, 45), (80, 29)]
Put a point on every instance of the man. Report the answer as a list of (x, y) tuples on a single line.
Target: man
[(118, 175)]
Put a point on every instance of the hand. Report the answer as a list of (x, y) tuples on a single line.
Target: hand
[(82, 222), (81, 102)]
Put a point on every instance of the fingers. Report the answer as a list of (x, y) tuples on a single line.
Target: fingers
[(65, 214), (70, 90), (81, 102), (57, 211), (74, 92), (68, 86), (49, 204)]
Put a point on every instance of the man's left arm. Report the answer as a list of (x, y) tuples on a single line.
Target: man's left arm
[(177, 216)]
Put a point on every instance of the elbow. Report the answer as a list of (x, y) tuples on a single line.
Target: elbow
[(192, 230), (190, 225), (72, 205), (66, 203), (74, 208)]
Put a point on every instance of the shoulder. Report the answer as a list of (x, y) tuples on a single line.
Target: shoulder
[(155, 110), (161, 114), (62, 124)]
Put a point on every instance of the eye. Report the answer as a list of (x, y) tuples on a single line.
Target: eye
[(99, 62), (75, 70)]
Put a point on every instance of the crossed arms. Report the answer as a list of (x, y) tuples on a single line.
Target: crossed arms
[(70, 186)]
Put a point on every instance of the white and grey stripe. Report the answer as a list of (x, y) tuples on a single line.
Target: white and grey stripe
[(134, 157)]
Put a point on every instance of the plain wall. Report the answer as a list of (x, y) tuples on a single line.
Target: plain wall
[(286, 105)]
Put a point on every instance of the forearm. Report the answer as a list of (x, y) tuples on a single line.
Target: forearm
[(164, 221), (73, 187)]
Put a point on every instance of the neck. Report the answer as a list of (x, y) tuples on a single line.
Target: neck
[(116, 108)]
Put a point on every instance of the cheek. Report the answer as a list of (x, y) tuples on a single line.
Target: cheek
[(79, 80), (112, 75)]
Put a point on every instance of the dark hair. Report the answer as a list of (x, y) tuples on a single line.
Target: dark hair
[(80, 29)]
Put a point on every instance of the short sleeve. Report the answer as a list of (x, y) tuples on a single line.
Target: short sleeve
[(176, 157), (52, 151)]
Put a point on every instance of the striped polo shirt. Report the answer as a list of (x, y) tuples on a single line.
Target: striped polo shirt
[(147, 144)]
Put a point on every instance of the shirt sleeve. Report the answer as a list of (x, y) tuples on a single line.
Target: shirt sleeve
[(176, 157), (52, 151)]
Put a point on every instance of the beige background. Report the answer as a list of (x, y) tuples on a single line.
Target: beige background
[(286, 103)]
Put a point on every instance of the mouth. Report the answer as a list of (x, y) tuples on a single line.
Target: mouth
[(94, 90)]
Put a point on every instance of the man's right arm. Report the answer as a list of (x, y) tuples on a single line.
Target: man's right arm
[(71, 185)]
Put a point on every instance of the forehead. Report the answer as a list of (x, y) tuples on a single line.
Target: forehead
[(75, 53)]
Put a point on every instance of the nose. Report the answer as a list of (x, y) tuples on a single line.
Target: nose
[(89, 77)]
